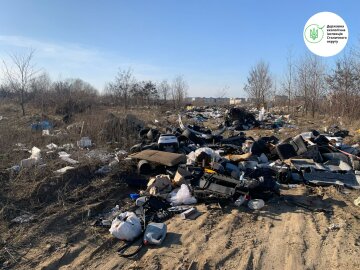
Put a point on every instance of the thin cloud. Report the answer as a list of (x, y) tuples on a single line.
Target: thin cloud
[(66, 51), (74, 60)]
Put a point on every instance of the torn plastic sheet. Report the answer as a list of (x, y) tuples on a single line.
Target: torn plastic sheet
[(66, 157), (34, 159), (64, 170)]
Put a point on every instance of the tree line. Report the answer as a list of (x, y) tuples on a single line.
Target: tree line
[(309, 84), (23, 83)]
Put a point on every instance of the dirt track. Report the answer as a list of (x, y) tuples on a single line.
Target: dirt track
[(280, 236)]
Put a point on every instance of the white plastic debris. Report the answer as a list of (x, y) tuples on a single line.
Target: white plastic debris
[(100, 155), (23, 218), (34, 159), (121, 154), (183, 196), (262, 114), (126, 226), (67, 146), (84, 142), (46, 132), (357, 201), (66, 157), (334, 227), (64, 170), (191, 157), (188, 213), (240, 200), (51, 146), (35, 153), (256, 204)]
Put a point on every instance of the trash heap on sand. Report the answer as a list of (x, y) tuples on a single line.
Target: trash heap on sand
[(183, 165)]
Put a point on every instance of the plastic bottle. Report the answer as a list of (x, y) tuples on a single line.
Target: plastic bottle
[(240, 200)]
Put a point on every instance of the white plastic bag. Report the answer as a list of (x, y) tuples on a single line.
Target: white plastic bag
[(183, 196), (35, 153), (126, 226), (262, 114), (191, 157)]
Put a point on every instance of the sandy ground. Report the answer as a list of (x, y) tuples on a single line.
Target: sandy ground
[(279, 236)]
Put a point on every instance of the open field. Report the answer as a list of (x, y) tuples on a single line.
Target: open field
[(282, 235)]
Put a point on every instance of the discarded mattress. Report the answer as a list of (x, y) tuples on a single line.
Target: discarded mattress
[(160, 157)]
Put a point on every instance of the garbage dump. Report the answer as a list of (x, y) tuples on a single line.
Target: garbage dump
[(205, 157), (191, 164)]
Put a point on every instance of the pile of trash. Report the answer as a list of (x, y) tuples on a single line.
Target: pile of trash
[(239, 118), (190, 165)]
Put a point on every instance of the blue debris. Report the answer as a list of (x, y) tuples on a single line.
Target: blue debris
[(43, 125)]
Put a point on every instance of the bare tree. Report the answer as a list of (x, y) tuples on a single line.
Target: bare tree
[(19, 75), (73, 96), (310, 81), (40, 87), (164, 89), (259, 83), (179, 91), (301, 81), (288, 83), (121, 87), (344, 82)]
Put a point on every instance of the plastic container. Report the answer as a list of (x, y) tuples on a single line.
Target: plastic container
[(256, 204), (134, 196), (240, 200)]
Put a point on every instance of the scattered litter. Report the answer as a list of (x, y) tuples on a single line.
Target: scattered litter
[(43, 125), (66, 157), (84, 142), (34, 159), (126, 226), (25, 218), (188, 163), (64, 170), (168, 143), (256, 204), (155, 233), (104, 170), (188, 213), (357, 201), (51, 146), (67, 146), (239, 201), (159, 184), (15, 168), (100, 155), (121, 154), (334, 227), (183, 196)]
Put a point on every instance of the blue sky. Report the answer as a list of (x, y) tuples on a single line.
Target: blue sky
[(210, 43)]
